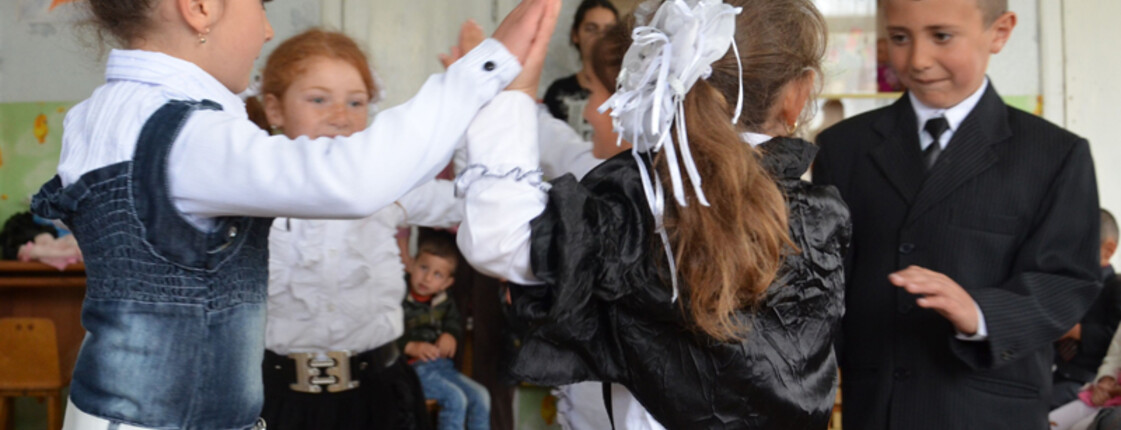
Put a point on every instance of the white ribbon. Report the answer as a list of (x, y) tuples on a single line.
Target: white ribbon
[(670, 52)]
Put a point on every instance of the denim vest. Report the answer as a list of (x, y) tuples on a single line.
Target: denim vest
[(174, 316)]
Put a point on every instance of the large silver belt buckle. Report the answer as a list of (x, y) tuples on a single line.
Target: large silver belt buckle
[(313, 374)]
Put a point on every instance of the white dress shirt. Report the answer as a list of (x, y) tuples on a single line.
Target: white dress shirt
[(954, 117), (338, 284), (562, 148), (223, 164)]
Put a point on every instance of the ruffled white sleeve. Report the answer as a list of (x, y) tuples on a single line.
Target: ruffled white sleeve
[(502, 188), (223, 165)]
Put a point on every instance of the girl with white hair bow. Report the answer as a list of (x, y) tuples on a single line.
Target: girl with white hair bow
[(697, 269)]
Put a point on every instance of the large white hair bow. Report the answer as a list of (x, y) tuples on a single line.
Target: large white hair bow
[(670, 52)]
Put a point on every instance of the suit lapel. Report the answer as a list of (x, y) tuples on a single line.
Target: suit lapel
[(969, 152), (898, 156)]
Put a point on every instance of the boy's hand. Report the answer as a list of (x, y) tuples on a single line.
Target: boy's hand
[(1074, 333), (521, 30), (423, 350), (941, 294), (446, 345), (470, 36), (535, 58)]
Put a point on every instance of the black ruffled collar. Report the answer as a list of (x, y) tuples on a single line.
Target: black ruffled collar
[(787, 157)]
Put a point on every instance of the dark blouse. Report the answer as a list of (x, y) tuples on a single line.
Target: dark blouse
[(605, 312), (566, 100)]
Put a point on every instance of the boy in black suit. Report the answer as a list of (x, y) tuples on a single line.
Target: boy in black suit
[(975, 233)]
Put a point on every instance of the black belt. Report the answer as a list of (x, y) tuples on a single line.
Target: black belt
[(339, 371)]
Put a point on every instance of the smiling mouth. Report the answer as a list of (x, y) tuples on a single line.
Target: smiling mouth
[(926, 82)]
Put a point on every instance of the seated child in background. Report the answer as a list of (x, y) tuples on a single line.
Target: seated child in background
[(432, 332), (1104, 391)]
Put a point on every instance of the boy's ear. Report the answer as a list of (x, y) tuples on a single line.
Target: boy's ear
[(1002, 30), (200, 14), (274, 111)]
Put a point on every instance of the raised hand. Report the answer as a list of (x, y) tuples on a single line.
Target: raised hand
[(523, 29), (470, 36), (941, 294), (528, 80)]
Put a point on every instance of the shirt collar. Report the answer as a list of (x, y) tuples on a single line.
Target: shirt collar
[(954, 115), (180, 79), (754, 139)]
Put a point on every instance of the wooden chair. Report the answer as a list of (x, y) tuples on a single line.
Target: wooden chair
[(29, 366)]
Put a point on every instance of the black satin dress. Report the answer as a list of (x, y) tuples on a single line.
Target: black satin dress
[(605, 313)]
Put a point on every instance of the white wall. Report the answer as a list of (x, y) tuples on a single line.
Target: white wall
[(1091, 35), (61, 61), (1015, 70), (403, 38)]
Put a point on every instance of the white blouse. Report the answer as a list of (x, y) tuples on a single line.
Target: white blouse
[(223, 164), (338, 284)]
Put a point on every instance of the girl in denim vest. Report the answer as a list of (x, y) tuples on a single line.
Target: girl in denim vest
[(169, 189)]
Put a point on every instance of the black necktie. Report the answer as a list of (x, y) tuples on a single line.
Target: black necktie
[(934, 126)]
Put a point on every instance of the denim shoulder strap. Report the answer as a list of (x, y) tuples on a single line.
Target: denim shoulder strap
[(165, 229)]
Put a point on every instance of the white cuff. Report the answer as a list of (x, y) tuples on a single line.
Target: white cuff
[(982, 329)]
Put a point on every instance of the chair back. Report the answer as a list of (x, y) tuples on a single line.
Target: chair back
[(28, 354)]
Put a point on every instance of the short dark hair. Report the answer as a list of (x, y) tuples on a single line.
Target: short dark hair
[(992, 9), (1109, 226), (439, 244), (582, 10)]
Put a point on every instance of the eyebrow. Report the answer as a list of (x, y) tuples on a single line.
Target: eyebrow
[(939, 27), (316, 87)]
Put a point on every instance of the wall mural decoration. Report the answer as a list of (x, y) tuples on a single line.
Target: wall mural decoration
[(30, 142), (52, 11)]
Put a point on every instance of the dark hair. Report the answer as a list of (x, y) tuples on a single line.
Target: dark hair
[(438, 243), (1109, 226), (290, 60), (608, 52), (124, 20), (582, 11), (728, 254)]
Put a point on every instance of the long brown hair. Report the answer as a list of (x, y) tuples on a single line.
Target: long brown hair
[(291, 58), (728, 254)]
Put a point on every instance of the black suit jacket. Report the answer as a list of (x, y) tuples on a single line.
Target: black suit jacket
[(1010, 212), (1098, 326)]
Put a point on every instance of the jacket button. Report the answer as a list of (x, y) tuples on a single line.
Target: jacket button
[(488, 66), (232, 233), (900, 374), (906, 248)]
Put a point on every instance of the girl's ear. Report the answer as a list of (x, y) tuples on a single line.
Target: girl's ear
[(200, 14), (274, 111), (794, 98)]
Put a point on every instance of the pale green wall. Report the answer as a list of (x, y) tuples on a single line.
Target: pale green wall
[(25, 162)]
